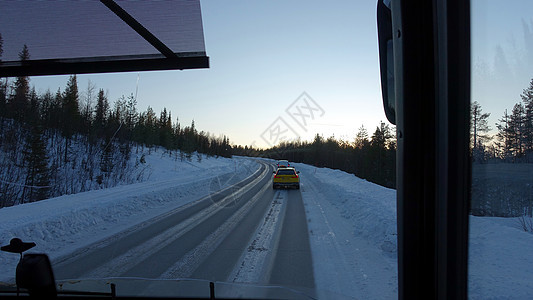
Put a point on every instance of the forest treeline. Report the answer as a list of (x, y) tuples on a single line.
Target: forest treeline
[(369, 157), (513, 140), (501, 159), (68, 141)]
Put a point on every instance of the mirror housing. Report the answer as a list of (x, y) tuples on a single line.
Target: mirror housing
[(386, 60)]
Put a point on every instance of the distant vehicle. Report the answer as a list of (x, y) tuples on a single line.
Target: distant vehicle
[(286, 178), (283, 164)]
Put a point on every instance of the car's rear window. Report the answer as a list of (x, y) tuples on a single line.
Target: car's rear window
[(285, 172)]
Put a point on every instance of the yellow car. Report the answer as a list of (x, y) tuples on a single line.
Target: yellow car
[(286, 177)]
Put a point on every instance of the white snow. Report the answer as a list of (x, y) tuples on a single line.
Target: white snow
[(352, 227), (64, 224)]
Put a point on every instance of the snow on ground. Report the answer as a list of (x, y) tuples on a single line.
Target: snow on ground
[(501, 260), (352, 226), (63, 224)]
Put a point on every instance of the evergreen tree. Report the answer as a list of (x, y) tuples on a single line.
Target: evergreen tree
[(479, 129), (38, 177), (527, 100), (503, 137), (381, 157), (517, 130), (165, 129), (18, 103), (87, 110), (56, 111), (361, 139), (101, 113), (47, 101), (70, 108), (151, 133), (34, 111), (131, 113), (106, 160), (381, 136)]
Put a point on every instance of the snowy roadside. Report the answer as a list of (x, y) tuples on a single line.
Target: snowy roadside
[(500, 260), (352, 226), (64, 224)]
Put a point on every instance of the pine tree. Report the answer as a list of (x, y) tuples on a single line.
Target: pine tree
[(379, 157), (527, 99), (101, 113), (70, 114), (34, 109), (87, 110), (131, 113), (54, 110), (38, 177), (504, 137), (478, 130), (361, 139), (165, 129), (151, 134), (18, 103), (106, 160), (381, 136), (70, 108), (517, 130)]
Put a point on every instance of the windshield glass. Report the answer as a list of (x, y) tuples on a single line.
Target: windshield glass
[(167, 175), (286, 172), (500, 262)]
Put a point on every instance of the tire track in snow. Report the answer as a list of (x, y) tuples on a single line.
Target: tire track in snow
[(329, 261), (252, 267), (119, 264), (185, 266)]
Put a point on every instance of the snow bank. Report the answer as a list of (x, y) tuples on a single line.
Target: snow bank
[(345, 212), (370, 207), (352, 226), (500, 260), (63, 224)]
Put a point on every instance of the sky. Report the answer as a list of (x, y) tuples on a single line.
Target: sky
[(502, 54), (317, 56), (281, 70)]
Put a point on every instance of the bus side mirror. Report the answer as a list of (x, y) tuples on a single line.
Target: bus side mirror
[(386, 60)]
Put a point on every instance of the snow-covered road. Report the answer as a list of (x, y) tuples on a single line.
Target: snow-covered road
[(351, 224)]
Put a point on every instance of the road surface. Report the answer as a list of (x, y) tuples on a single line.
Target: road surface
[(240, 237)]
